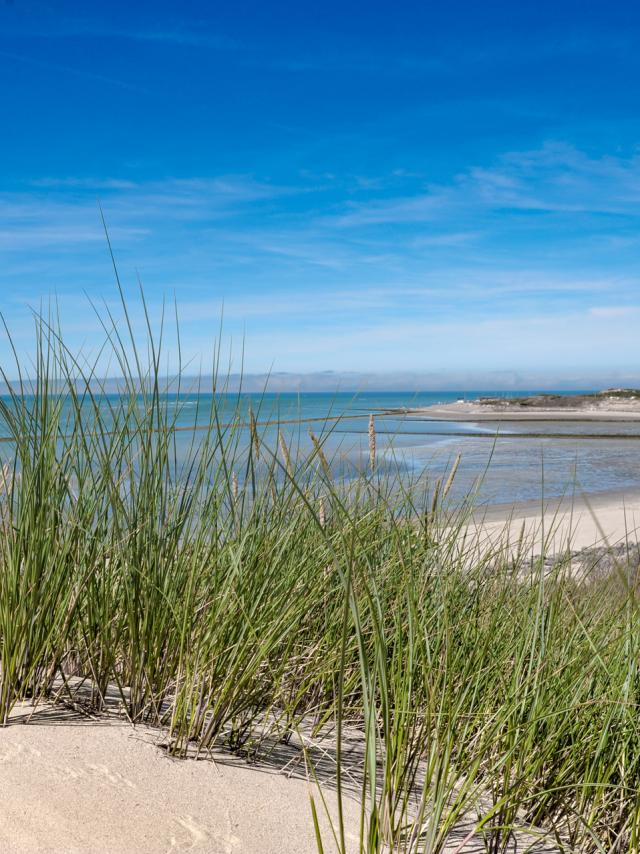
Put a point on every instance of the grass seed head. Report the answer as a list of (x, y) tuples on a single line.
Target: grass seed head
[(372, 442)]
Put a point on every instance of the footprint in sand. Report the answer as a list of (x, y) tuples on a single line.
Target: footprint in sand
[(13, 751), (19, 753), (67, 774), (8, 754), (198, 836), (102, 772)]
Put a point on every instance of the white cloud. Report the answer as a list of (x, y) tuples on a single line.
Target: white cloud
[(613, 310), (556, 178), (435, 269)]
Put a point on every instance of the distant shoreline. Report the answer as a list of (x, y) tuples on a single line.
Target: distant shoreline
[(613, 405)]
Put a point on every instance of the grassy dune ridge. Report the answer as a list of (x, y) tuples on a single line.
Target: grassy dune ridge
[(241, 596)]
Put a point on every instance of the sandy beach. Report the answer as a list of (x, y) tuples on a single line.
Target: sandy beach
[(78, 785), (571, 523), (319, 428), (470, 411), (87, 785), (72, 785)]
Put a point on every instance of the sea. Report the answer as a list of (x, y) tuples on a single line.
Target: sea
[(499, 462)]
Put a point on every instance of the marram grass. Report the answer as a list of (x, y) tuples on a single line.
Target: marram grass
[(240, 595)]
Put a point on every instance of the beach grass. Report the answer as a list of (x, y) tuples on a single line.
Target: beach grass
[(240, 596)]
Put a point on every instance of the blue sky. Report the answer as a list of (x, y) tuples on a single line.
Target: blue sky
[(365, 186)]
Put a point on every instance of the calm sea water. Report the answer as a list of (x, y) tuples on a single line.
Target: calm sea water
[(510, 468)]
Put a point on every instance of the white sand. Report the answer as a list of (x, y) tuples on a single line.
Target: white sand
[(72, 785), (574, 523), (68, 784), (474, 411)]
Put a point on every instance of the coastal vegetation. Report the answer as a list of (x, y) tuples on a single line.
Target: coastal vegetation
[(239, 597), (564, 401)]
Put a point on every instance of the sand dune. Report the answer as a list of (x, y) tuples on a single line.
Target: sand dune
[(80, 786), (90, 787), (83, 786)]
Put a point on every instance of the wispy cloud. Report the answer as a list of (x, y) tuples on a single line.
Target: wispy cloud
[(244, 188), (349, 263), (182, 37), (76, 71), (556, 178), (74, 234), (65, 211), (84, 183), (608, 311)]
